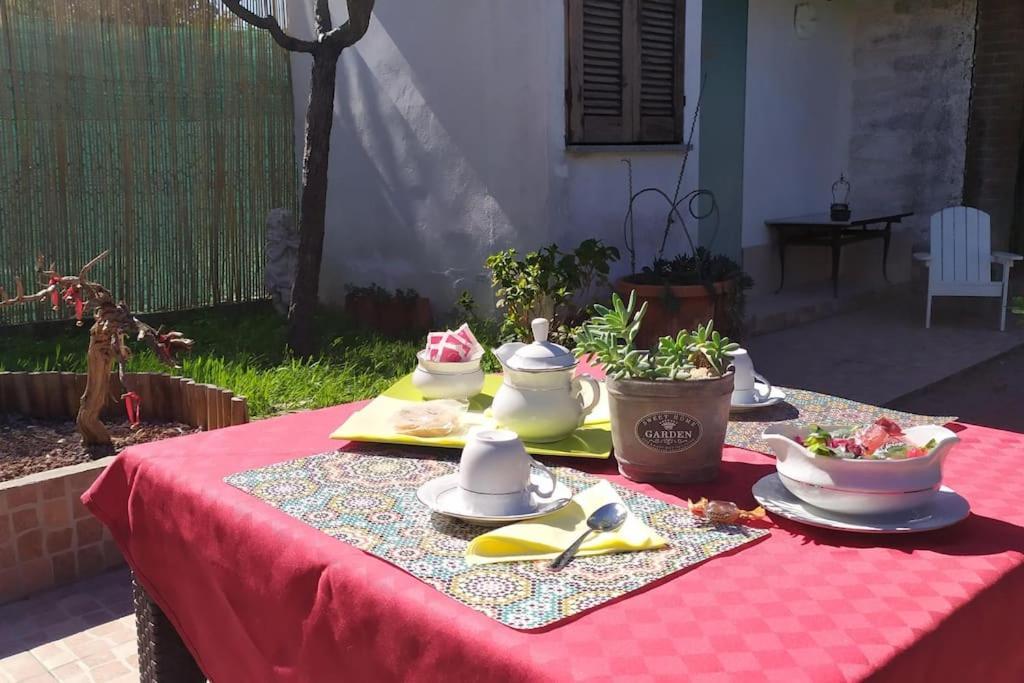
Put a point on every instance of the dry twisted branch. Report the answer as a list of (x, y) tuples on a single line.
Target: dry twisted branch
[(334, 39), (352, 30), (269, 23), (112, 317)]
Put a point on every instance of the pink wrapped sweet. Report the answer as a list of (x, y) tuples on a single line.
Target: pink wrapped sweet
[(453, 346)]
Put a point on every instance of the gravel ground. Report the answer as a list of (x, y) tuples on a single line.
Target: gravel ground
[(28, 446), (989, 394)]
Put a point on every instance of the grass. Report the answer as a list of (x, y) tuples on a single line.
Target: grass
[(242, 349)]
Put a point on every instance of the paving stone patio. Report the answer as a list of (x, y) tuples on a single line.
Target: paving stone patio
[(82, 633)]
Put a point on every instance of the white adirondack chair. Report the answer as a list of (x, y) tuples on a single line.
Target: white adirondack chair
[(961, 258)]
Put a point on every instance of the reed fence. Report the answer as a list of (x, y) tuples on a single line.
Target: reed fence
[(159, 129)]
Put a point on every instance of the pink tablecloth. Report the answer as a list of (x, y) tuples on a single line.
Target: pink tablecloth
[(259, 596)]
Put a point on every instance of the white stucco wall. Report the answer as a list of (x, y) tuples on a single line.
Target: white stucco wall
[(448, 145), (798, 111)]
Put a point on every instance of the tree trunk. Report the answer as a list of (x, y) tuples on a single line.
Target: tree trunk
[(319, 120), (100, 363)]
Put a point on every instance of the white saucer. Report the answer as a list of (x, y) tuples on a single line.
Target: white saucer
[(442, 496), (775, 396), (946, 509)]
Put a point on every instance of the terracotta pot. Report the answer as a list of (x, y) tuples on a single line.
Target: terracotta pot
[(421, 317), (674, 308), (404, 317), (363, 310), (666, 431)]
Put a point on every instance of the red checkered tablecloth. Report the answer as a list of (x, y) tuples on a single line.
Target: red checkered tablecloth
[(260, 596)]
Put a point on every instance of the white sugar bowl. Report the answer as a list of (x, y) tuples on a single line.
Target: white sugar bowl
[(459, 380)]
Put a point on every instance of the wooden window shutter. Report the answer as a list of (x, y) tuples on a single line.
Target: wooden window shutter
[(625, 71), (599, 99), (660, 101)]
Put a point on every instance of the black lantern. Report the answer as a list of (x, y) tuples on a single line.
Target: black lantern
[(840, 199)]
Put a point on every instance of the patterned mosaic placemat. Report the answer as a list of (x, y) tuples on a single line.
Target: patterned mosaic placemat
[(808, 407), (369, 500)]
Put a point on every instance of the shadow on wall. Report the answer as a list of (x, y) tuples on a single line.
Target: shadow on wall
[(434, 166)]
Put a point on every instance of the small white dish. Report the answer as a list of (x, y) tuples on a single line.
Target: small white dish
[(443, 496), (946, 508), (455, 380), (775, 397)]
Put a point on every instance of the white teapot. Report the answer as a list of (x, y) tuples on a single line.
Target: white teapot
[(539, 398)]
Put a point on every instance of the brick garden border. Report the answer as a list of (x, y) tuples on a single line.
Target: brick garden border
[(47, 537)]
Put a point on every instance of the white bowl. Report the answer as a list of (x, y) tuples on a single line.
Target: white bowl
[(457, 380), (860, 487), (437, 367)]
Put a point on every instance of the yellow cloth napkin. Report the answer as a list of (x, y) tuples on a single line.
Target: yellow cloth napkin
[(373, 423), (546, 537)]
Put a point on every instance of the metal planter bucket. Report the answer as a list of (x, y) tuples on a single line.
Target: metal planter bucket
[(669, 431)]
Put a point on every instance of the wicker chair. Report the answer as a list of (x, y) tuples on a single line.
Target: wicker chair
[(163, 657)]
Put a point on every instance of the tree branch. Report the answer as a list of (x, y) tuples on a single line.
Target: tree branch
[(322, 15), (352, 30), (269, 23), (88, 266)]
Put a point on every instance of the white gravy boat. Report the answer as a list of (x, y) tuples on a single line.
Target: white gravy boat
[(860, 487)]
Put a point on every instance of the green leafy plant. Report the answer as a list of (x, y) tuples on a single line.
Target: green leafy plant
[(1017, 305), (407, 294), (547, 283), (609, 337), (698, 268), (371, 291), (379, 294)]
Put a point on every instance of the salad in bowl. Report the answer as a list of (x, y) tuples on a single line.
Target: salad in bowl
[(861, 469)]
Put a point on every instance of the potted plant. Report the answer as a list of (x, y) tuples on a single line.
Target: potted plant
[(670, 405), (363, 304), (394, 314), (548, 283), (406, 311), (687, 291), (697, 285)]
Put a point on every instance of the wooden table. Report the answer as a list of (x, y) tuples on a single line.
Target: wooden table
[(818, 229)]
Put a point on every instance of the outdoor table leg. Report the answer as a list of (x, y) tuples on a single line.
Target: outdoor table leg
[(885, 250), (782, 259), (163, 657), (837, 246)]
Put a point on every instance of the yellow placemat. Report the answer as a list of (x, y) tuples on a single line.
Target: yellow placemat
[(372, 424)]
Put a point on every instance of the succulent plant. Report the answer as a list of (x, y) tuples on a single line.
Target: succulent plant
[(609, 338)]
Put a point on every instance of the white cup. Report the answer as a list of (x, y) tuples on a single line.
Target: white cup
[(749, 386), (494, 473)]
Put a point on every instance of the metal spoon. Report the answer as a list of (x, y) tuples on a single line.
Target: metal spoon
[(605, 518)]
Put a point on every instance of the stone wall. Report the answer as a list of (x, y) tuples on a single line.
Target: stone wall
[(911, 85), (47, 536), (994, 142)]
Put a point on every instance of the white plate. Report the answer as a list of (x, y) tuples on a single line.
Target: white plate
[(775, 397), (441, 495), (946, 509)]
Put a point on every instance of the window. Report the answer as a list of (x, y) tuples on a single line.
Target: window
[(625, 71)]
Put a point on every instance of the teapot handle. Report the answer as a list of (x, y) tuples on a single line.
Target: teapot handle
[(595, 390)]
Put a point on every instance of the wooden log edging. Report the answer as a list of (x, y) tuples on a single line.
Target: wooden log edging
[(165, 398)]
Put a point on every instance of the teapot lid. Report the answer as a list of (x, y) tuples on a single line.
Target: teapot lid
[(542, 354)]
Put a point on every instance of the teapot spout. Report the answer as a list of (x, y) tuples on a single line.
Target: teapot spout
[(504, 352)]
